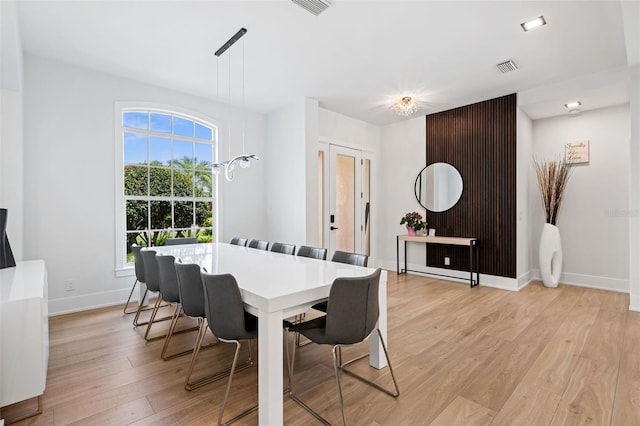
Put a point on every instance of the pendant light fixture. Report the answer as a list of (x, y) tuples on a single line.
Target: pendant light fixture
[(242, 160)]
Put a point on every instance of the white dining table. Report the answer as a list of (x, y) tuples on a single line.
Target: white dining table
[(275, 286)]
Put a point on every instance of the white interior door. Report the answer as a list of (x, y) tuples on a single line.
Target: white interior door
[(346, 200)]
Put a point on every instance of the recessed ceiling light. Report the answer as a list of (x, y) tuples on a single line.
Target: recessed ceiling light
[(575, 104), (534, 23)]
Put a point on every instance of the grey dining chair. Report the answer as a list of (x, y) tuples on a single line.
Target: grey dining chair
[(152, 280), (229, 322), (170, 293), (192, 299), (313, 252), (350, 258), (283, 248), (352, 315), (180, 241), (238, 241), (138, 267), (258, 244), (343, 257)]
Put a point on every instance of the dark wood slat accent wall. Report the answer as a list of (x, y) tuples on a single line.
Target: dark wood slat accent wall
[(480, 141)]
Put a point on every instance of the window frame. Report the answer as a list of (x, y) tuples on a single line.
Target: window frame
[(122, 268)]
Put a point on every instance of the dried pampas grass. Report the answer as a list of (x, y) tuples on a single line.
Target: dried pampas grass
[(553, 176)]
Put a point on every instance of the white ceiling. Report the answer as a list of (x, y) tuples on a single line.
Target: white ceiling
[(355, 58)]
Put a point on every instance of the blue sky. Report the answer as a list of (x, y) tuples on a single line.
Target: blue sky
[(135, 144)]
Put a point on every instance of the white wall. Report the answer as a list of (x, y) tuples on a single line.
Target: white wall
[(11, 138), (340, 129), (311, 171), (285, 207), (634, 192), (594, 216), (523, 223), (402, 156), (69, 176)]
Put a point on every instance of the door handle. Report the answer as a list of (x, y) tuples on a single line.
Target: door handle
[(333, 228)]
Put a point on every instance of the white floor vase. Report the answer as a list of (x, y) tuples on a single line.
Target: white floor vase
[(550, 255)]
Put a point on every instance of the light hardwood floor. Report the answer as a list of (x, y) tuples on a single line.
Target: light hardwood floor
[(462, 357)]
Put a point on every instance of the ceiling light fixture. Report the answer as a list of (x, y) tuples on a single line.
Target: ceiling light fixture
[(574, 104), (405, 106), (244, 159), (534, 23)]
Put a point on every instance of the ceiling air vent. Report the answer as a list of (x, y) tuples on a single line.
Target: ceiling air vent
[(313, 6), (507, 66)]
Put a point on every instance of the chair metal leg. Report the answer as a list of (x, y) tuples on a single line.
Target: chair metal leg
[(298, 344), (152, 318), (226, 395), (293, 396), (140, 309), (215, 376), (188, 385), (369, 382), (337, 353), (172, 328), (126, 305), (338, 366), (286, 351)]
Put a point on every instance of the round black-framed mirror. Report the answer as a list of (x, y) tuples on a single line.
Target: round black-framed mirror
[(438, 187)]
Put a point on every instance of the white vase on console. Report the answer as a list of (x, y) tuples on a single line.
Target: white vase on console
[(550, 255)]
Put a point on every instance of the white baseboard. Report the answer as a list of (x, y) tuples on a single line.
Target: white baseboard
[(634, 303), (524, 280), (85, 302), (517, 284), (493, 281), (589, 281), (502, 283), (601, 283)]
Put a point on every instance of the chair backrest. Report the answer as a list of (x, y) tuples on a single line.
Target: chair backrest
[(350, 258), (180, 241), (168, 278), (314, 252), (138, 262), (151, 272), (259, 244), (283, 248), (238, 241), (352, 310), (190, 289), (223, 307)]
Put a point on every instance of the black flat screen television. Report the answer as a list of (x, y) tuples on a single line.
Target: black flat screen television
[(6, 255)]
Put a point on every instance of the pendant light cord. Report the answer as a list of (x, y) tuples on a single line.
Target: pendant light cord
[(229, 106), (242, 112)]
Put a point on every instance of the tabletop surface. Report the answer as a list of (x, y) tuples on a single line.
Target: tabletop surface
[(457, 241), (266, 275)]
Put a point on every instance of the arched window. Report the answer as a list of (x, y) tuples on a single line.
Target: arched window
[(166, 184)]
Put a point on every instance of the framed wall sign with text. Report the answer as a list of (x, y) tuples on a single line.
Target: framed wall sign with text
[(576, 152)]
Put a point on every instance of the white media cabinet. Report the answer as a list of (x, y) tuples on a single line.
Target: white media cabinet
[(24, 333)]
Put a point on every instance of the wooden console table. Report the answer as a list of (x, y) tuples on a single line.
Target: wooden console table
[(472, 243)]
